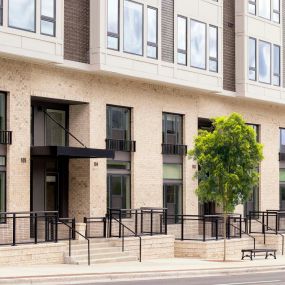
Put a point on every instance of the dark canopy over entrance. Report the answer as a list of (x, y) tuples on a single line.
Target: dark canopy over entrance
[(70, 152)]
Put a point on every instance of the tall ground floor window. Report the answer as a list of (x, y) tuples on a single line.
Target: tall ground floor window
[(252, 205), (172, 190), (119, 184), (282, 188)]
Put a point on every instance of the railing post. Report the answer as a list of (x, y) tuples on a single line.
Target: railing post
[(104, 227), (250, 223), (123, 240), (217, 228), (140, 249), (141, 221), (136, 221), (88, 241), (120, 224), (182, 227), (73, 229), (36, 228), (110, 222), (240, 225), (85, 222), (166, 220), (263, 228), (228, 227), (204, 229), (276, 223), (151, 222), (14, 229), (56, 226)]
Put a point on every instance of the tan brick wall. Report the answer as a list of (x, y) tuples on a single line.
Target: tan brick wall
[(148, 102)]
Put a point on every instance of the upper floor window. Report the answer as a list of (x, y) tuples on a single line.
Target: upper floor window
[(152, 32), (113, 24), (268, 9), (118, 123), (48, 17), (2, 111), (198, 44), (252, 59), (213, 48), (1, 12), (264, 9), (133, 27), (264, 62), (276, 65), (22, 14), (269, 65), (172, 126), (182, 40)]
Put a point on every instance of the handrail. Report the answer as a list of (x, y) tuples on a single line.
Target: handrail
[(69, 240), (254, 242), (123, 237)]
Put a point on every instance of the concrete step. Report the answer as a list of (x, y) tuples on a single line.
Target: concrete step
[(99, 256), (80, 251), (108, 260)]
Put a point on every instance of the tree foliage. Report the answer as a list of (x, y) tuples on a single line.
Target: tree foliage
[(228, 159)]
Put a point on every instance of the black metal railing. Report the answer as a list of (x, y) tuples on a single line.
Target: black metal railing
[(174, 149), (143, 221), (5, 137), (134, 234), (96, 227), (204, 227), (72, 234), (28, 227), (121, 145)]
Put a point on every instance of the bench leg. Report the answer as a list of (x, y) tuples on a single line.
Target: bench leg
[(266, 255)]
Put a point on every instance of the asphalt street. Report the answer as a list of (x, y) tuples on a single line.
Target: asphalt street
[(275, 278)]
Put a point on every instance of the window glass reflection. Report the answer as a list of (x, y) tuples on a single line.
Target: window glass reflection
[(264, 62), (252, 59), (22, 14), (47, 8), (133, 27), (152, 32), (213, 49), (198, 44), (264, 9), (113, 24), (182, 40), (276, 65)]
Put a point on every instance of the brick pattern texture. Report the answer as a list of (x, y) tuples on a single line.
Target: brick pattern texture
[(229, 73), (76, 30)]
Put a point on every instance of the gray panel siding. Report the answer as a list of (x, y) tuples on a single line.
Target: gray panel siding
[(167, 30), (229, 66)]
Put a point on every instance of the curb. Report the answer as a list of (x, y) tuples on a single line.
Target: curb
[(132, 276)]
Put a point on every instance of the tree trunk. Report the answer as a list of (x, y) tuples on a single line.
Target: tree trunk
[(225, 235)]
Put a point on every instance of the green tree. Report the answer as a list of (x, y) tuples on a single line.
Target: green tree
[(228, 159)]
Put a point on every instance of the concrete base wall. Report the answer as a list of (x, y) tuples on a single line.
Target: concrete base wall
[(33, 254)]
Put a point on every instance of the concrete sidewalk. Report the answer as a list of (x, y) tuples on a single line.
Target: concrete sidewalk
[(161, 268)]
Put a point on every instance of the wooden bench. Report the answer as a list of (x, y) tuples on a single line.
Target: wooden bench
[(250, 252)]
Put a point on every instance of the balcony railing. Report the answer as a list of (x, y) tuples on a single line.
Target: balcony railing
[(174, 149), (5, 137), (121, 145)]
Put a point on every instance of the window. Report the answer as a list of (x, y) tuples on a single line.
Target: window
[(55, 135), (172, 171), (264, 9), (48, 17), (252, 7), (152, 32), (113, 25), (252, 59), (182, 40), (264, 62), (276, 11), (1, 12), (282, 138), (2, 193), (213, 48), (118, 123), (172, 198), (276, 65), (198, 44), (2, 111), (22, 14), (133, 27), (172, 129)]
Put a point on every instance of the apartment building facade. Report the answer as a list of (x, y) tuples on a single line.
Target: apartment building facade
[(101, 99)]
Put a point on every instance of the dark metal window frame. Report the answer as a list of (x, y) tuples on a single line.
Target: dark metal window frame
[(1, 12), (164, 132), (251, 68), (215, 59), (130, 120), (142, 5), (206, 41), (169, 183), (181, 51), (22, 29), (152, 44), (49, 19), (111, 34), (279, 71), (253, 3)]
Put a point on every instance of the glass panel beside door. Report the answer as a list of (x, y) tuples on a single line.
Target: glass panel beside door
[(51, 192)]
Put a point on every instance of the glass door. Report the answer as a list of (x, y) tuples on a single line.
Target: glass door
[(173, 201), (51, 192)]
